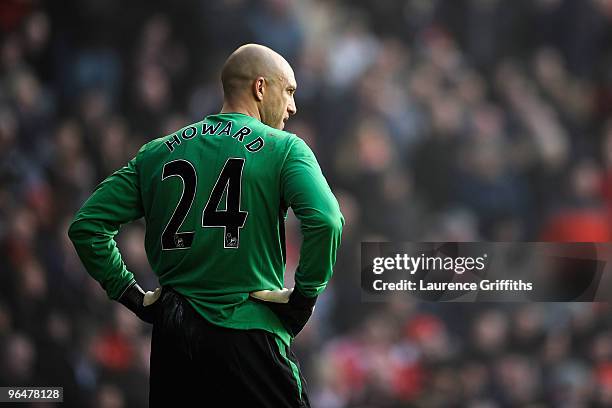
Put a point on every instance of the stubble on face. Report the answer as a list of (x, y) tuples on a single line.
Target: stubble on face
[(274, 107)]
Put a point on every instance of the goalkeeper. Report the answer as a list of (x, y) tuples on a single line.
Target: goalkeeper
[(214, 196)]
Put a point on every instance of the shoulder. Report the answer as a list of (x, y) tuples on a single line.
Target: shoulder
[(288, 139), (279, 141), (273, 134)]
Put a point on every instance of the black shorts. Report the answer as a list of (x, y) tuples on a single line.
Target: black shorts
[(196, 363)]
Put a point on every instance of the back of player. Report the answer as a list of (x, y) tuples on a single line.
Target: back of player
[(214, 195), (211, 200)]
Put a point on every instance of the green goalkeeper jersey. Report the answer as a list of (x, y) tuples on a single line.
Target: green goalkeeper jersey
[(214, 196)]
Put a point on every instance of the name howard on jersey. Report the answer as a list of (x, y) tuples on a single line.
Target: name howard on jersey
[(207, 129)]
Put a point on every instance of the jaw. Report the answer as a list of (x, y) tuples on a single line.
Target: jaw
[(270, 118), (280, 124)]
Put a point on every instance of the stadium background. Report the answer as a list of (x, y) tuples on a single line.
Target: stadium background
[(458, 120)]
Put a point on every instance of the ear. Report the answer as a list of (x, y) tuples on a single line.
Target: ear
[(259, 88)]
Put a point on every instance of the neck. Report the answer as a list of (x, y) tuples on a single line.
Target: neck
[(252, 111)]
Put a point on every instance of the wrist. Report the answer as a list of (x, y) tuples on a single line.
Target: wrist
[(132, 297), (297, 299)]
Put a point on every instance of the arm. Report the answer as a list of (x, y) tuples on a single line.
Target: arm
[(115, 201), (306, 191)]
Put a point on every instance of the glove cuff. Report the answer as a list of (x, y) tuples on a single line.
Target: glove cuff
[(300, 301), (132, 298)]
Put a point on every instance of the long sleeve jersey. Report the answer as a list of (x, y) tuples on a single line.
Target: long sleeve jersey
[(214, 196)]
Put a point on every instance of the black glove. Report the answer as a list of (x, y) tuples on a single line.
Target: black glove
[(295, 314), (141, 303)]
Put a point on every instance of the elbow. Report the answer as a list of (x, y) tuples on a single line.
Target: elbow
[(337, 223), (332, 221), (75, 231)]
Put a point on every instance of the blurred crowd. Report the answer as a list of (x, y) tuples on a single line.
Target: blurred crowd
[(433, 120)]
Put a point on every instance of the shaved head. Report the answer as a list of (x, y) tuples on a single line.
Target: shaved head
[(255, 74), (249, 62)]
